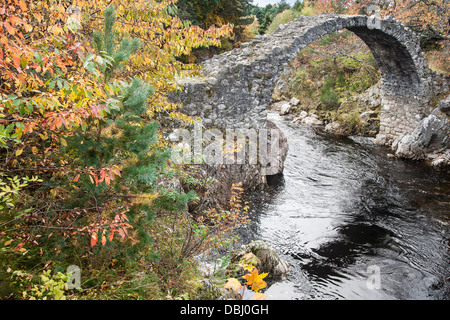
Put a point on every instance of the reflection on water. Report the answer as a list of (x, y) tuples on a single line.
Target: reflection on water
[(342, 206)]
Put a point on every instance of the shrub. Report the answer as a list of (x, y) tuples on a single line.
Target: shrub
[(329, 98), (281, 18)]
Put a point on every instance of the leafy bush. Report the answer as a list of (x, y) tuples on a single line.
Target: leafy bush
[(328, 96)]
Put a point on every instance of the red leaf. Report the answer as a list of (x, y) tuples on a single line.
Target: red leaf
[(19, 246)]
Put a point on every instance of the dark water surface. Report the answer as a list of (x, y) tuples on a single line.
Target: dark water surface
[(343, 208)]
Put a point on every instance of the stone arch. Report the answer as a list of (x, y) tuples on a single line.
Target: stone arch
[(235, 88)]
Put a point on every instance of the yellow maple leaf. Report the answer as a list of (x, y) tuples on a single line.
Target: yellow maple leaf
[(255, 280)]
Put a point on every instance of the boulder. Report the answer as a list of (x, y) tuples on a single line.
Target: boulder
[(277, 105), (335, 128), (431, 137), (302, 116), (312, 120), (285, 109), (269, 260), (294, 102), (275, 164), (442, 160)]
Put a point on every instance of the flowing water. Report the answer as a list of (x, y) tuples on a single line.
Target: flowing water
[(353, 223)]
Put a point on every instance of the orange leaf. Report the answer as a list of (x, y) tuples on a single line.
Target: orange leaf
[(94, 239), (259, 296), (254, 279), (9, 28), (234, 284), (103, 240), (102, 175), (76, 178), (107, 180), (21, 78), (111, 234), (23, 5), (15, 20), (16, 61)]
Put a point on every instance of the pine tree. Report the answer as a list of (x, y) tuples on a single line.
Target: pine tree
[(267, 21), (298, 6), (121, 139), (105, 44)]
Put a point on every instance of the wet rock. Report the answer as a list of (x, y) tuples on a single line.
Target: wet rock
[(442, 160), (302, 116), (275, 164), (335, 128), (269, 260), (312, 120), (431, 137)]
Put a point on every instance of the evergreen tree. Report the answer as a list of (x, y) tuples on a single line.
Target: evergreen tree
[(266, 23), (120, 163), (105, 44), (298, 6)]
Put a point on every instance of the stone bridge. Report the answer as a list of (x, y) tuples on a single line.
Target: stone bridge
[(235, 88)]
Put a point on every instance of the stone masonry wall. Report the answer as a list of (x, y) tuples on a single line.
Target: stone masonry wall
[(235, 88)]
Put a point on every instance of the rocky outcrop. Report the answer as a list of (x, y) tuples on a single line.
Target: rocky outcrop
[(268, 259), (251, 175), (335, 128), (276, 164), (217, 195), (430, 140)]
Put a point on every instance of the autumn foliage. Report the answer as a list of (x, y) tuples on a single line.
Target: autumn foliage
[(82, 94)]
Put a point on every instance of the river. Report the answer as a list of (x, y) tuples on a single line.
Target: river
[(352, 222)]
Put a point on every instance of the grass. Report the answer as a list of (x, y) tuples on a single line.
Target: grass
[(282, 18)]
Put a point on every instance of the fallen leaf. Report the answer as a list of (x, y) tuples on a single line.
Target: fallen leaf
[(259, 296), (234, 284)]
